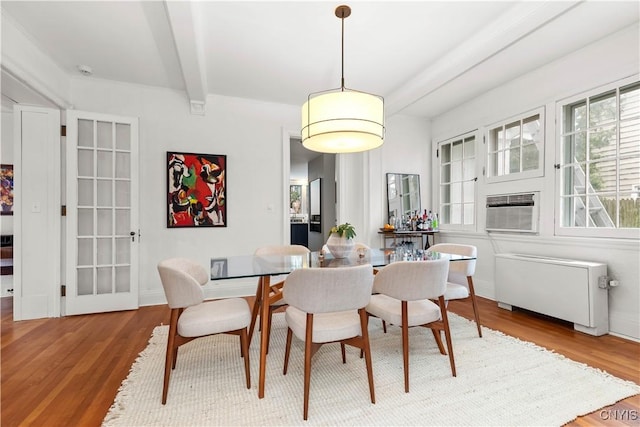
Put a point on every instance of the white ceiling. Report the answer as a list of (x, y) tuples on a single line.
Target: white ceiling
[(424, 57)]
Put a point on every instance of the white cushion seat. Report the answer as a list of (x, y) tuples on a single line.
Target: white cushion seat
[(419, 312), (327, 327), (214, 317), (456, 291)]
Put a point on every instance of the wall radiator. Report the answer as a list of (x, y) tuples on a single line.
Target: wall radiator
[(575, 291)]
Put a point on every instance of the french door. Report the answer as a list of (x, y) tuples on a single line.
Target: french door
[(102, 213)]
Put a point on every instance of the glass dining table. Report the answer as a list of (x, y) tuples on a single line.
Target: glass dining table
[(264, 267)]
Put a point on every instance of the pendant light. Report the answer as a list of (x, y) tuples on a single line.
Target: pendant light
[(342, 120)]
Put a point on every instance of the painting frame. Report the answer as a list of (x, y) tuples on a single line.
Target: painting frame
[(196, 190), (6, 189)]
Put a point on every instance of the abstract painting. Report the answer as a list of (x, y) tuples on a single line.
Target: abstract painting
[(196, 194), (6, 189)]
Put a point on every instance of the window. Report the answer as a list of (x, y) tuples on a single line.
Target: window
[(515, 149), (457, 165), (600, 161)]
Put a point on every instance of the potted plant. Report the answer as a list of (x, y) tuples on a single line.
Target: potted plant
[(340, 242)]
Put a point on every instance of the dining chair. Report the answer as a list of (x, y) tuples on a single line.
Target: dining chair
[(460, 280), (403, 295), (275, 295), (192, 317), (327, 305)]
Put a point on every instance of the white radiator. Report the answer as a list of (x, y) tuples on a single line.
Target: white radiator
[(560, 288)]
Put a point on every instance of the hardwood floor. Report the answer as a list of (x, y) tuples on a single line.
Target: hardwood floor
[(66, 371)]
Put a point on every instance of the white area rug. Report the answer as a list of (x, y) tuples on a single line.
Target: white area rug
[(501, 381)]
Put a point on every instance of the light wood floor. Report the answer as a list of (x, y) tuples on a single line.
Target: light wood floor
[(66, 371)]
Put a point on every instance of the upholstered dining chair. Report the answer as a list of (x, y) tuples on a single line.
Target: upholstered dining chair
[(460, 280), (403, 294), (192, 317), (275, 295), (328, 305)]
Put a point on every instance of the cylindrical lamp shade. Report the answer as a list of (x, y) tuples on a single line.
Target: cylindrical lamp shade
[(343, 122)]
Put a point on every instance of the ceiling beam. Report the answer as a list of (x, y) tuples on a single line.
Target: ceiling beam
[(516, 23), (187, 35)]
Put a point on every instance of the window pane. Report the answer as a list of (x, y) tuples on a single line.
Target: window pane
[(602, 143), (514, 159), (445, 153), (105, 164), (602, 109), (123, 279), (123, 136), (104, 193), (494, 162), (104, 280), (630, 137), (468, 171), (85, 162), (85, 133), (105, 139), (575, 148), (446, 174), (574, 179), (85, 281), (445, 194), (602, 176), (104, 253), (445, 217), (630, 102), (456, 151), (456, 171), (456, 192), (496, 139), (629, 174), (578, 114), (469, 147), (603, 210), (85, 192), (468, 189), (530, 157), (531, 130), (630, 210), (512, 134), (456, 213)]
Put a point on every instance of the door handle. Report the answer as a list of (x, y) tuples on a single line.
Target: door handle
[(133, 236)]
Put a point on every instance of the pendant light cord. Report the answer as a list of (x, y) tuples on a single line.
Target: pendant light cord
[(342, 76)]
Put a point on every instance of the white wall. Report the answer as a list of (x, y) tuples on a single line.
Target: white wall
[(606, 61)]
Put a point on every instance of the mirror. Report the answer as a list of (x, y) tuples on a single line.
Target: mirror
[(315, 223), (403, 195)]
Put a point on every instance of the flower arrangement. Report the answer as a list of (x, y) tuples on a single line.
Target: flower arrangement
[(345, 230)]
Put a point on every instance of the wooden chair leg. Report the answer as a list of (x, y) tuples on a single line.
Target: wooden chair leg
[(344, 353), (307, 363), (364, 320), (171, 351), (438, 338), (287, 351), (384, 326), (405, 345), (244, 348), (476, 313), (447, 334), (256, 309)]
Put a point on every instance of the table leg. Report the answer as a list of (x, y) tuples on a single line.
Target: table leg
[(264, 333)]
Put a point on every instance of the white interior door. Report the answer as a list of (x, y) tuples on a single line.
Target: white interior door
[(102, 213)]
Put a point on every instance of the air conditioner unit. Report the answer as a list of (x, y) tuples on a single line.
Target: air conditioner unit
[(516, 213)]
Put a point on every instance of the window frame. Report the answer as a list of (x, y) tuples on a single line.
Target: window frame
[(438, 182), (521, 175), (585, 231)]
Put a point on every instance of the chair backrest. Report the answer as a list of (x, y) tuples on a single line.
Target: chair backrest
[(182, 280), (325, 290), (282, 250), (458, 270), (413, 280)]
